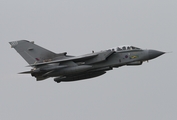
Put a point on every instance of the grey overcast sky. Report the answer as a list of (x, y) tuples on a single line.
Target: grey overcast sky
[(146, 92)]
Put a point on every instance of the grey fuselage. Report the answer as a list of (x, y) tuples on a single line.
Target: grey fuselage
[(65, 68), (90, 68)]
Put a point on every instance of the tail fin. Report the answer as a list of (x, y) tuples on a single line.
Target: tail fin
[(31, 52)]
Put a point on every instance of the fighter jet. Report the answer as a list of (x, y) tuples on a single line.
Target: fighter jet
[(66, 68)]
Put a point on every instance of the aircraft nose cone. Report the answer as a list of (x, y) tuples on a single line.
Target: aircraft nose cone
[(154, 53)]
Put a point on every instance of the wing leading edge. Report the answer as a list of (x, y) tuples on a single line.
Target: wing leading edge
[(89, 58)]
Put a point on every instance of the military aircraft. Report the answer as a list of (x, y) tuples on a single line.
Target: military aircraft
[(65, 68)]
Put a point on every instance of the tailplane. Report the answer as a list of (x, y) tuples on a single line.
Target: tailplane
[(31, 52)]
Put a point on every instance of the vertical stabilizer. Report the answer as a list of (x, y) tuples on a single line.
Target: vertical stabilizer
[(31, 52)]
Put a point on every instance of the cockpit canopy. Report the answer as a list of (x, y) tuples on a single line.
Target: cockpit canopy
[(126, 47)]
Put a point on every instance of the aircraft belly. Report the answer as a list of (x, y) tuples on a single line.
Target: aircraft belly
[(79, 77)]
